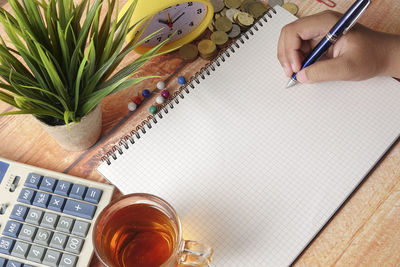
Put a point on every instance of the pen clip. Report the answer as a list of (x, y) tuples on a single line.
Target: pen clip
[(356, 18)]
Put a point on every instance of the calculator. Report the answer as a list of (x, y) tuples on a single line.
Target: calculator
[(46, 217)]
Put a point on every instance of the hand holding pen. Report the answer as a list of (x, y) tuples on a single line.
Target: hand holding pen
[(359, 54)]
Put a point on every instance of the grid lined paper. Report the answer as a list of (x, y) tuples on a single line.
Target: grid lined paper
[(254, 169)]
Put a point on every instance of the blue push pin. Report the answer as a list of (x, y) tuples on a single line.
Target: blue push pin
[(145, 93), (181, 80)]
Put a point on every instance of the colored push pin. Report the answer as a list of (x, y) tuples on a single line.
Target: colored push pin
[(153, 109), (161, 85), (165, 94), (146, 93), (132, 106), (160, 100), (137, 100), (181, 80)]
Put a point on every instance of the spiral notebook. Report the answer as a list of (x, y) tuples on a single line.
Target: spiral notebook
[(253, 169)]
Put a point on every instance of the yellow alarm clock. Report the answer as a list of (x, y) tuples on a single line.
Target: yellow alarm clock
[(187, 19)]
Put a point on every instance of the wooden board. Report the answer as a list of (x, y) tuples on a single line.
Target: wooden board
[(365, 232)]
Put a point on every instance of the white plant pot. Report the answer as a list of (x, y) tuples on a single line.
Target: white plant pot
[(81, 135)]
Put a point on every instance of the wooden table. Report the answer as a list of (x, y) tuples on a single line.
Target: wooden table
[(365, 232)]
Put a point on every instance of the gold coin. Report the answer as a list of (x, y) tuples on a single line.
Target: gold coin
[(223, 24), (231, 12), (223, 12), (245, 4), (292, 8), (219, 38), (211, 27), (218, 5), (257, 10), (235, 17), (217, 16), (188, 52), (233, 3), (245, 19), (207, 49)]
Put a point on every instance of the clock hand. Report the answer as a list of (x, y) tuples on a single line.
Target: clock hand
[(163, 21), (183, 13), (170, 21)]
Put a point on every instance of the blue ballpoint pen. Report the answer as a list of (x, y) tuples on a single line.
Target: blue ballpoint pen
[(341, 27)]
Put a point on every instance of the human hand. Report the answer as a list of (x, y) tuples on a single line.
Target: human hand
[(360, 54)]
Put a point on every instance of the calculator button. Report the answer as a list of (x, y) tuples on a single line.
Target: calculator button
[(56, 203), (41, 200), (78, 191), (36, 254), (33, 180), (12, 229), (68, 260), (34, 216), (65, 224), (63, 188), (26, 196), (42, 237), (49, 220), (58, 241), (13, 264), (79, 209), (6, 245), (51, 258), (19, 212), (27, 233), (2, 262), (20, 249), (93, 195), (80, 228), (48, 184), (74, 245)]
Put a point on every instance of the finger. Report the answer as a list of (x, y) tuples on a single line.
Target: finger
[(306, 48), (327, 70), (282, 56), (314, 26), (309, 28)]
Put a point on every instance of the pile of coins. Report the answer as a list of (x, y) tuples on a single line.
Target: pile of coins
[(231, 18)]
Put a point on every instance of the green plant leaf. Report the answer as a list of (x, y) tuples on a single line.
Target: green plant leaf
[(36, 112), (61, 56), (9, 99), (79, 75), (26, 102), (67, 114)]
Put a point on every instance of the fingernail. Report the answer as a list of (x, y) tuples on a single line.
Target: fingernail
[(287, 69), (302, 77)]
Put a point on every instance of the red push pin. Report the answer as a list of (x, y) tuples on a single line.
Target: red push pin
[(137, 100)]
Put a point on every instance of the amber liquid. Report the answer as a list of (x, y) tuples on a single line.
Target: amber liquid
[(138, 235)]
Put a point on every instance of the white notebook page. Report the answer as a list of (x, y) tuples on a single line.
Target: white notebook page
[(254, 169)]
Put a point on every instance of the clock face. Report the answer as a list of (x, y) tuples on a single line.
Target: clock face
[(180, 19)]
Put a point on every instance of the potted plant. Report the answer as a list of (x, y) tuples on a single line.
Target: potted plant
[(58, 61)]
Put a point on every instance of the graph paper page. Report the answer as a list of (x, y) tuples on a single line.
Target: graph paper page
[(256, 170)]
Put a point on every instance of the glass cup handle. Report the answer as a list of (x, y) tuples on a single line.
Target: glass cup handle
[(195, 254)]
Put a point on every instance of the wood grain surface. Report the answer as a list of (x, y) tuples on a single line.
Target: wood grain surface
[(365, 232)]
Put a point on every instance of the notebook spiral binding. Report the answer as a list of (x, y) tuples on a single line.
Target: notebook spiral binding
[(201, 74)]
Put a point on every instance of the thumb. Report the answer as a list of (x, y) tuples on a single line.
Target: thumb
[(338, 68)]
